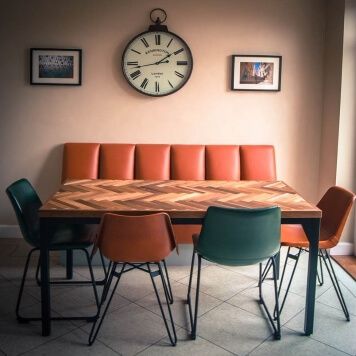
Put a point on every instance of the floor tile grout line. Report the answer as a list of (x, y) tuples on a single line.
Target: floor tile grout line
[(334, 308), (265, 340), (319, 341), (155, 343), (45, 343), (102, 342), (211, 342)]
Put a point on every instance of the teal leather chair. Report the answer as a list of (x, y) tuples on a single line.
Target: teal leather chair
[(238, 237), (26, 203)]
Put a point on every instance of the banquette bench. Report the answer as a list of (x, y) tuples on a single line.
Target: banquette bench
[(164, 162)]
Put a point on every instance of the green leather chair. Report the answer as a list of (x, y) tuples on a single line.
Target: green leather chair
[(238, 237), (26, 203)]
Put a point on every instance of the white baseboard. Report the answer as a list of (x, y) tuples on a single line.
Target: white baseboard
[(343, 248), (10, 231)]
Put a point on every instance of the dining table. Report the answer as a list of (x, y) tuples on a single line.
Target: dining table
[(85, 201)]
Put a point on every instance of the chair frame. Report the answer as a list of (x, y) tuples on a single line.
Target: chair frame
[(22, 319), (324, 257), (145, 267), (193, 315)]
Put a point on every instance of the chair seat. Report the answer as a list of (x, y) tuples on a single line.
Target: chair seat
[(294, 236), (72, 236)]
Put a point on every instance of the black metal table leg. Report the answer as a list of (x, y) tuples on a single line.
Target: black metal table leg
[(311, 228), (45, 287), (69, 264)]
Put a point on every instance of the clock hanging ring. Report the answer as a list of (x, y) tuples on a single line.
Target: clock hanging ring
[(157, 62)]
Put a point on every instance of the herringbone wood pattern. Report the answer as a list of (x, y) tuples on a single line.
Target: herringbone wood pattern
[(177, 198)]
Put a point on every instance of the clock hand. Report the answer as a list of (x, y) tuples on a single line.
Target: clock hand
[(167, 56), (151, 64)]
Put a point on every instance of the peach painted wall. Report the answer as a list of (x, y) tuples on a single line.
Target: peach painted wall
[(346, 155), (36, 120)]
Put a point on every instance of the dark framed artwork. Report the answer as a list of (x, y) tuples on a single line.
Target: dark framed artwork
[(51, 66), (255, 72)]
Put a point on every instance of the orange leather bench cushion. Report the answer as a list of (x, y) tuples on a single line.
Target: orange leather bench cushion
[(117, 161), (188, 162), (80, 161), (222, 162), (257, 162), (152, 162)]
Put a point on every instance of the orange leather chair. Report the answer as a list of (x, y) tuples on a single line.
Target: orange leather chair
[(136, 242), (335, 205)]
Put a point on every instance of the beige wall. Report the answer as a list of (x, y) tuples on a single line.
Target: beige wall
[(346, 154), (332, 93), (35, 120)]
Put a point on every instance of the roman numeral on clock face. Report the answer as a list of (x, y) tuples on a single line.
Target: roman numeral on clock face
[(178, 51), (157, 87), (144, 83), (180, 75), (170, 84), (182, 63), (132, 63), (145, 42), (133, 50), (169, 43), (135, 74), (158, 39)]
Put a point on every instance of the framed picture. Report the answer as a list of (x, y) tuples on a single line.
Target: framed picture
[(253, 72), (51, 66)]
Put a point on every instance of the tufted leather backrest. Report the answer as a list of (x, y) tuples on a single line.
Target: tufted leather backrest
[(188, 162), (163, 162), (80, 161), (152, 162), (222, 162), (257, 162), (117, 161)]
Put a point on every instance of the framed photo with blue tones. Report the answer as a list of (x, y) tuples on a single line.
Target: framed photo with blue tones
[(51, 66), (254, 72)]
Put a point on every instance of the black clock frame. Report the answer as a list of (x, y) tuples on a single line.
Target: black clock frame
[(156, 28)]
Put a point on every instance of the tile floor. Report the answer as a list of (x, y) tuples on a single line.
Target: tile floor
[(230, 319)]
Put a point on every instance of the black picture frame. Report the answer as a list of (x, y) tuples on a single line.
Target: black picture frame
[(256, 72), (55, 66)]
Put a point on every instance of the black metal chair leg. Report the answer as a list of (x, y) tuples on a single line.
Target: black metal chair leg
[(170, 294), (112, 266), (265, 271), (103, 264), (63, 282), (189, 289), (95, 330), (172, 338), (193, 319), (92, 279), (276, 328), (321, 276), (335, 283), (296, 259), (18, 316)]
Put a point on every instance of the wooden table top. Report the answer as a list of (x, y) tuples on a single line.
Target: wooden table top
[(180, 199)]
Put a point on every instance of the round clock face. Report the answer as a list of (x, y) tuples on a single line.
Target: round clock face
[(157, 63)]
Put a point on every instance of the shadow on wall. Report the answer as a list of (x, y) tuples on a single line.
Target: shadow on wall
[(49, 176)]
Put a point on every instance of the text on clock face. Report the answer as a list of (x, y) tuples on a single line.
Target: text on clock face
[(157, 63)]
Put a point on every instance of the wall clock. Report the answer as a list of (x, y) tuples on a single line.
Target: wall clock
[(157, 62)]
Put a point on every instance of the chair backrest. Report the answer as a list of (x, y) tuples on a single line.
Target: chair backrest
[(238, 237), (26, 203), (144, 238), (336, 205)]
